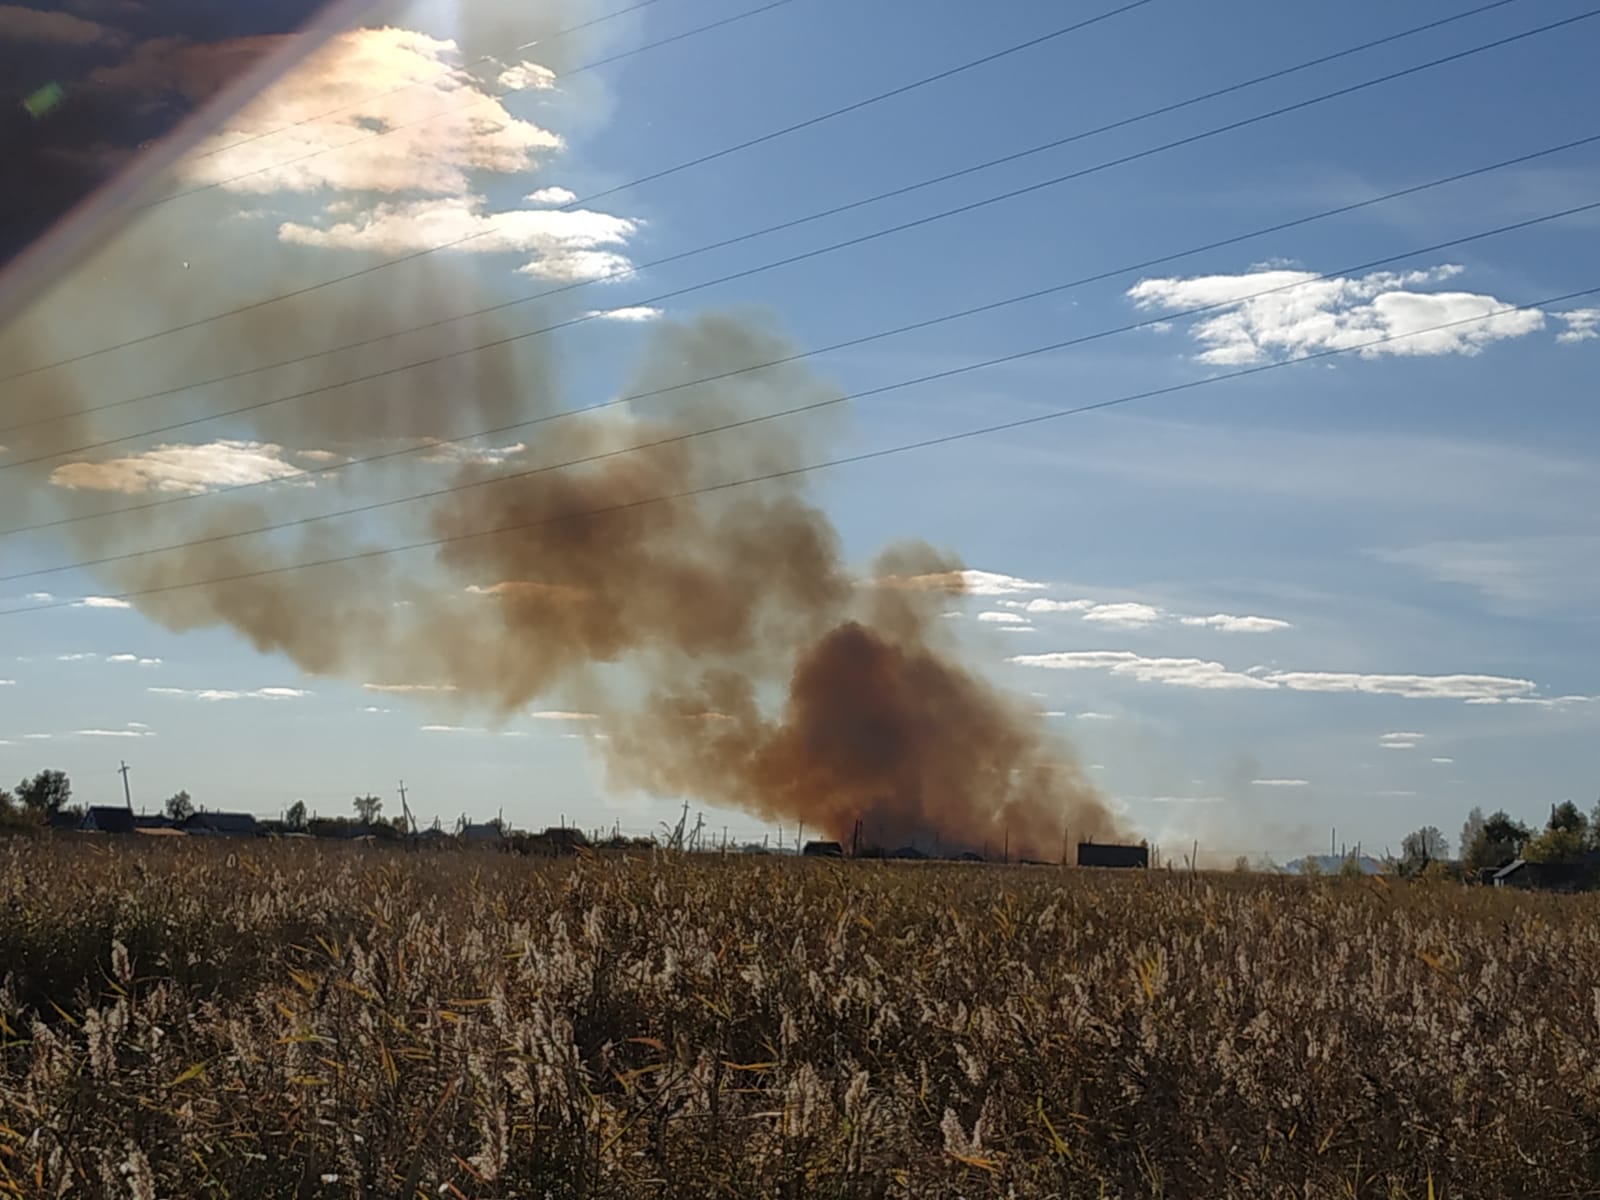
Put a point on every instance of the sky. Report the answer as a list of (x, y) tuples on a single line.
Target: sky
[(1355, 594)]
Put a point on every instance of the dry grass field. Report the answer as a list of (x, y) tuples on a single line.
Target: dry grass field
[(266, 1020)]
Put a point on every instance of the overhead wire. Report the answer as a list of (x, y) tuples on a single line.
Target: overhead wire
[(447, 73), (759, 269), (663, 172), (813, 406), (906, 189), (1080, 281), (683, 35), (845, 460)]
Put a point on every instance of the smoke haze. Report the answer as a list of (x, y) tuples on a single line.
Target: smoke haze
[(730, 652)]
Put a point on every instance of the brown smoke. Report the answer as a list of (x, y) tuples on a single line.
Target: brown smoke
[(731, 653)]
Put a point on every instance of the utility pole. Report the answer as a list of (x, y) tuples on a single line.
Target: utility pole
[(855, 838), (127, 796), (405, 809)]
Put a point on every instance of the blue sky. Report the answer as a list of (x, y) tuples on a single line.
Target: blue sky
[(1415, 533)]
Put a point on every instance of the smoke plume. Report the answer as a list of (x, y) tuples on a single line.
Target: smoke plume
[(732, 654)]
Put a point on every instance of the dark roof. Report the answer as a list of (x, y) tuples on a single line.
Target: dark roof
[(1092, 854), (229, 824), (108, 819), (153, 821), (823, 850)]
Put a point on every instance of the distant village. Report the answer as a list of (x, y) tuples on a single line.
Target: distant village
[(1495, 851)]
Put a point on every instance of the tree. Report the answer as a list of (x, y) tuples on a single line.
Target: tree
[(295, 818), (180, 807), (1565, 837), (1423, 846), (1499, 841), (1471, 833), (47, 792), (368, 808)]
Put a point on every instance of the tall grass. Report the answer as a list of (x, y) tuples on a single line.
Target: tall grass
[(262, 1020)]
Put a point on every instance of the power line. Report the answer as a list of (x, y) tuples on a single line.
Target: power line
[(448, 73), (760, 269), (1081, 281), (846, 460), (1015, 156), (705, 158), (395, 128), (818, 405)]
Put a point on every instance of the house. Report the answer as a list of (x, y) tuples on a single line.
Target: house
[(1578, 876), (823, 850), (107, 819), (217, 824), (488, 833), (1093, 854)]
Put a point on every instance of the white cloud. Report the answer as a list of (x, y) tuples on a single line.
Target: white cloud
[(526, 76), (1041, 605), (1052, 712), (1179, 672), (1281, 783), (557, 714), (78, 656), (637, 313), (8, 683), (1002, 618), (137, 725), (1442, 759), (100, 602), (1017, 629), (1471, 688), (551, 195), (1229, 623), (1583, 325), (989, 583), (451, 729), (1402, 735), (1125, 616), (1096, 716), (135, 659), (1398, 745), (440, 125), (40, 597), (1520, 576), (216, 695), (37, 737), (187, 469), (1303, 314), (567, 244), (114, 733), (407, 688), (1199, 673)]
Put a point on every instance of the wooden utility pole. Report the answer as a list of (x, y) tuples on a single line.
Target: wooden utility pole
[(127, 795), (855, 838), (405, 809)]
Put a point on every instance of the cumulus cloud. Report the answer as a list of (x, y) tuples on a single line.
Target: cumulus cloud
[(373, 708), (452, 729), (215, 695), (1199, 673), (100, 602), (1582, 325), (112, 733), (1281, 783), (188, 469), (1301, 314), (558, 237), (1096, 716), (967, 582), (1125, 616), (557, 714), (551, 195), (8, 683), (134, 659), (438, 124), (1179, 672), (1041, 604), (1229, 623), (1002, 618), (526, 76), (408, 688), (78, 656)]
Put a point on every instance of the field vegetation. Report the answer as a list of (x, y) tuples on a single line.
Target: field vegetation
[(264, 1019)]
